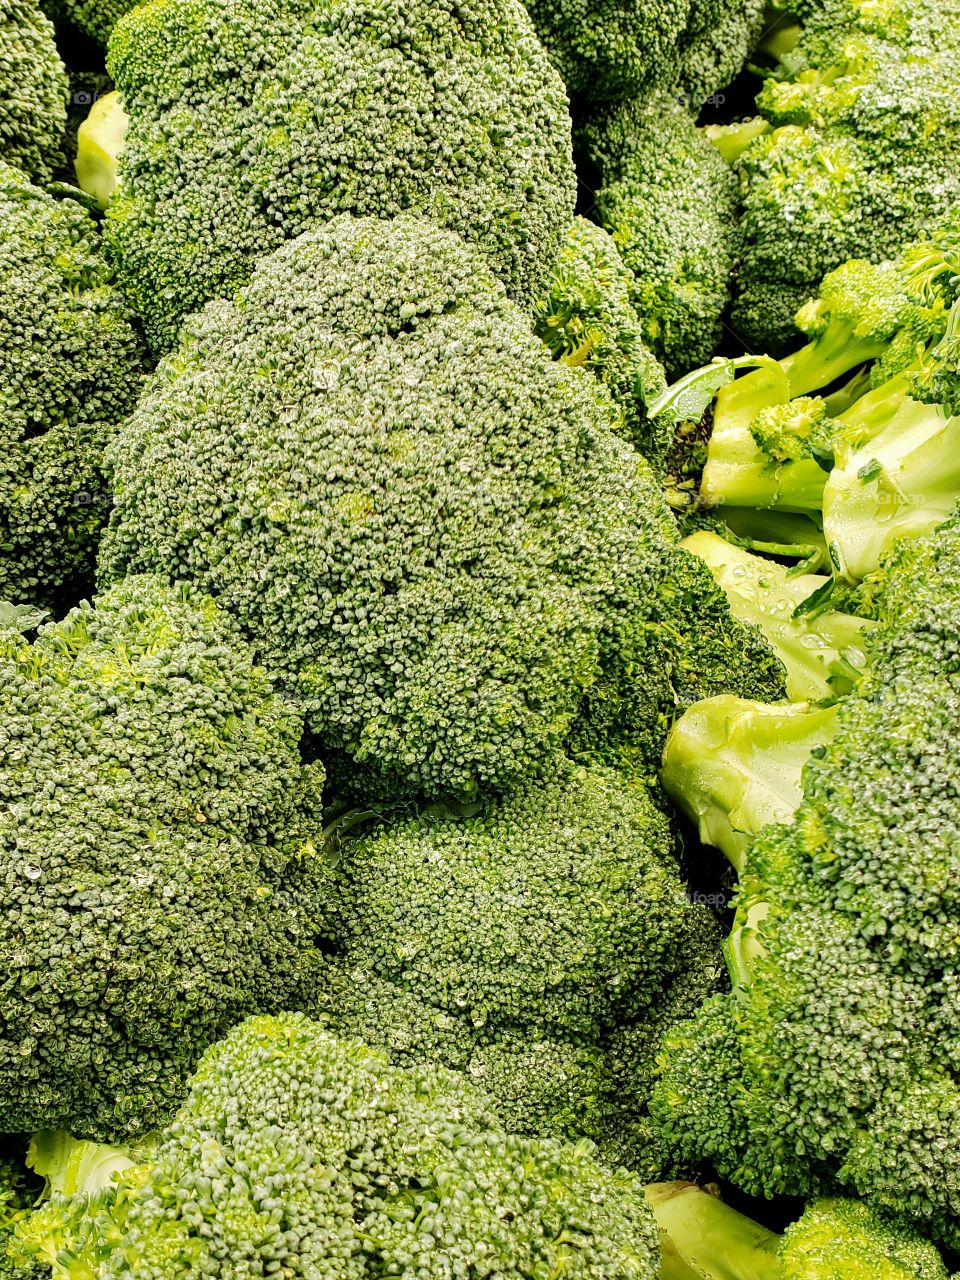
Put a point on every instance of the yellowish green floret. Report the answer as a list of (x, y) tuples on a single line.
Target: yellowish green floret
[(299, 1154)]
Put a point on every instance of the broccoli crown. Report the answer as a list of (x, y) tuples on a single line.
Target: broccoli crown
[(542, 1083), (845, 944), (541, 944), (303, 1154), (858, 1243), (69, 370), (33, 91), (560, 907), (862, 156), (157, 873), (669, 201), (95, 18), (423, 523), (587, 320), (624, 48), (249, 124)]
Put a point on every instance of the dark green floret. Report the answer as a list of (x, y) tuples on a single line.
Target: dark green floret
[(157, 875), (535, 943), (621, 49), (95, 18), (425, 525), (250, 123), (33, 91), (69, 371), (670, 203)]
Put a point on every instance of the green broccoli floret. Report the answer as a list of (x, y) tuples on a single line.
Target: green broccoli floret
[(669, 201), (835, 1059), (248, 125), (94, 18), (556, 1085), (298, 1154), (822, 650), (861, 157), (625, 48), (542, 944), (69, 371), (559, 908), (834, 1239), (425, 525), (588, 321), (33, 92), (158, 876)]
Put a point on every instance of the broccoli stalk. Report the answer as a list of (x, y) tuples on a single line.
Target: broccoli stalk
[(100, 141), (733, 766), (739, 471), (731, 140), (701, 1238), (822, 651), (897, 475)]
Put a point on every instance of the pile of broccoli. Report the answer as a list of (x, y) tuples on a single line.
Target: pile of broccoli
[(479, 660)]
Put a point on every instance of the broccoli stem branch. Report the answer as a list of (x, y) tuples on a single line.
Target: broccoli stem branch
[(734, 766), (701, 1238)]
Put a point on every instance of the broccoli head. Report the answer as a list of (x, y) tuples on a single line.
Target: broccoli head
[(249, 124), (69, 371), (670, 203), (33, 91), (299, 1154), (158, 877), (424, 524), (835, 1059), (94, 18), (588, 321), (624, 48), (860, 157), (541, 944), (560, 907)]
